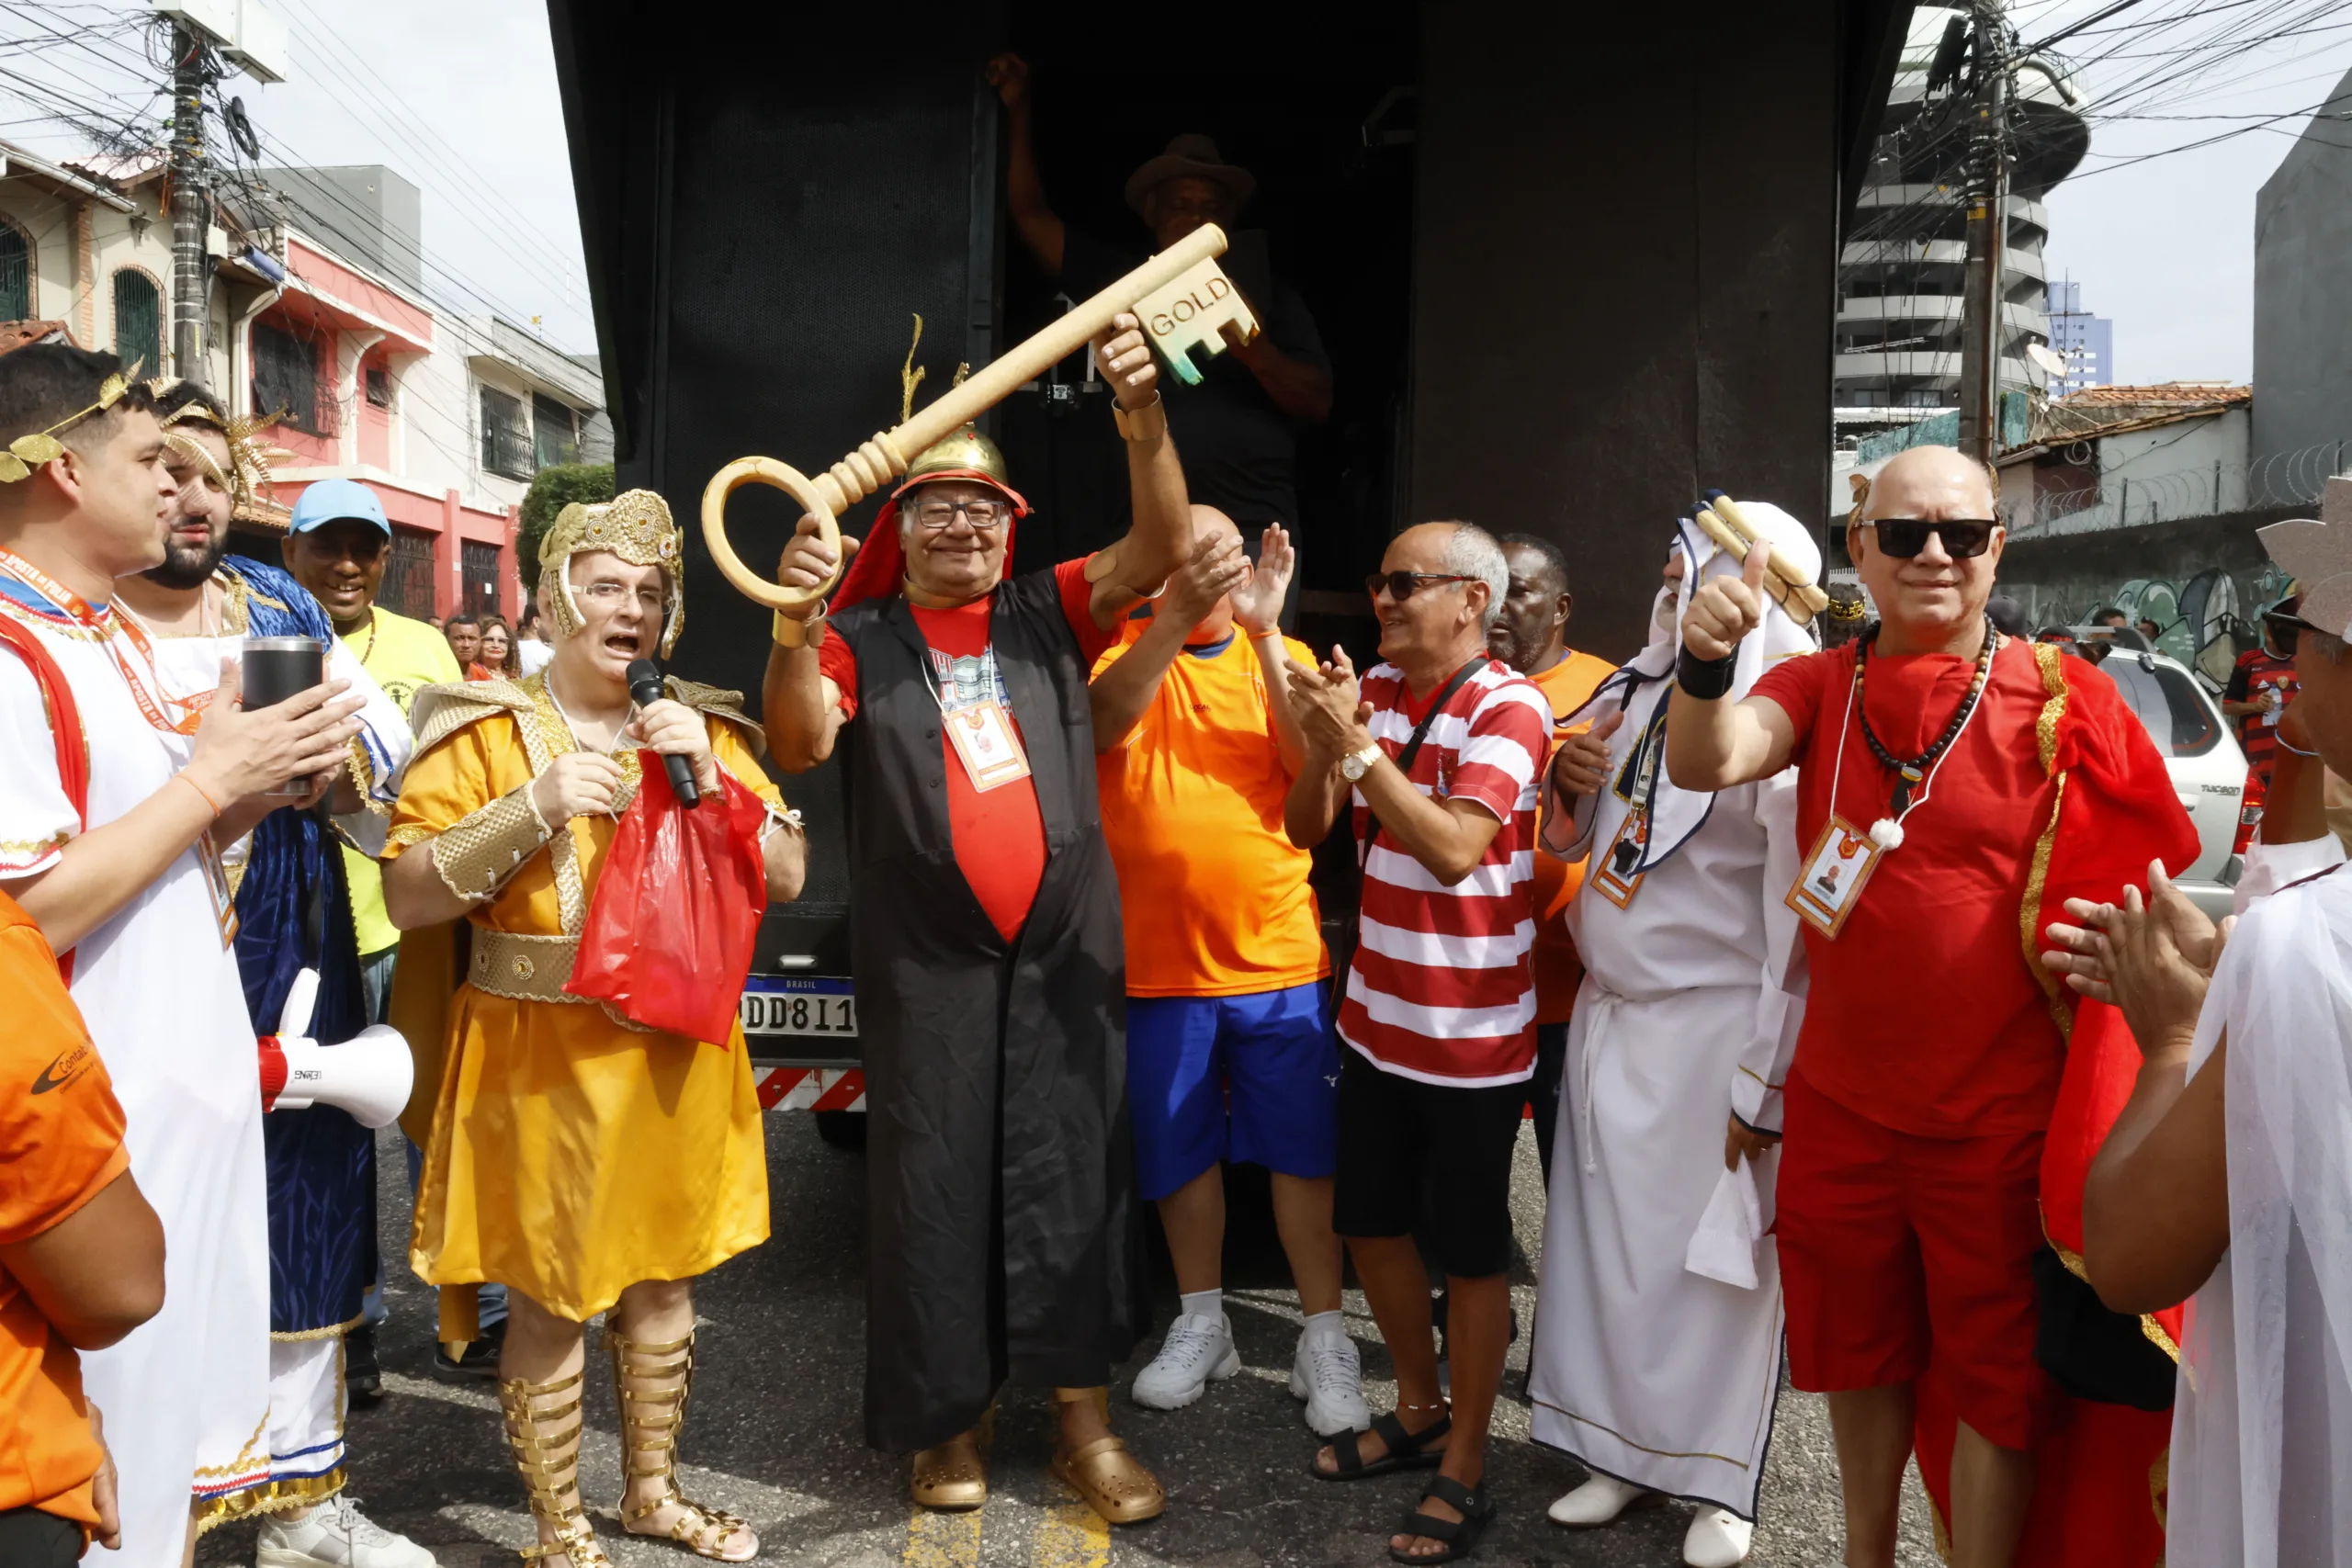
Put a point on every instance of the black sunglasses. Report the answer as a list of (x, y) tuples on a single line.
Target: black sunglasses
[(2285, 628), (1906, 536), (1403, 585)]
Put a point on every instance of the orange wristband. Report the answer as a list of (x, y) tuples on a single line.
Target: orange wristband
[(201, 794)]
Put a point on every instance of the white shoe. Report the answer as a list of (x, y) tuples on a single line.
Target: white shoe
[(1716, 1540), (336, 1535), (1597, 1502), (1196, 1351), (1327, 1372)]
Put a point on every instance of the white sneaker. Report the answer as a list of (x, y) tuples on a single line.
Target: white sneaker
[(1197, 1350), (336, 1535), (1327, 1372), (1597, 1502), (1716, 1540)]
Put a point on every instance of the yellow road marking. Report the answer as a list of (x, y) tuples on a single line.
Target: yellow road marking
[(942, 1540), (1070, 1535)]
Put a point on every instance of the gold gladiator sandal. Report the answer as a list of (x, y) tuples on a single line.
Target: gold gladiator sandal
[(1113, 1481), (652, 1382), (951, 1479), (550, 1462)]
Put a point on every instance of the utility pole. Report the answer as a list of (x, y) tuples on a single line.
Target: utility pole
[(1982, 314), (191, 186)]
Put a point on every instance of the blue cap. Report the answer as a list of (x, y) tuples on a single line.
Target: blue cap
[(337, 501)]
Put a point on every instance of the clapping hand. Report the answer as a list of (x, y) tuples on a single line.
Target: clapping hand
[(1258, 600), (2153, 957), (1216, 568), (1332, 713)]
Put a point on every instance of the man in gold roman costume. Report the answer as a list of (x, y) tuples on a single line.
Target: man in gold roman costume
[(508, 811)]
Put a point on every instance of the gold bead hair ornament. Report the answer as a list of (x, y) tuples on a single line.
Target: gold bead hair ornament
[(27, 453), (637, 526)]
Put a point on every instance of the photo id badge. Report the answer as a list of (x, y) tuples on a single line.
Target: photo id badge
[(1614, 875), (984, 739), (1831, 883)]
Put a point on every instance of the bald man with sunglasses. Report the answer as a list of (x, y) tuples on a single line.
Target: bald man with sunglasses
[(1946, 1093)]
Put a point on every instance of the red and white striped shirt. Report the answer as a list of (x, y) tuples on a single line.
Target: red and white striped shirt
[(1440, 989)]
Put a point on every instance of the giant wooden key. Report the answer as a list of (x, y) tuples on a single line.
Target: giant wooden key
[(1182, 298)]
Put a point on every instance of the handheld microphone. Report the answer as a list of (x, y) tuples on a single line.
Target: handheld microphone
[(644, 687)]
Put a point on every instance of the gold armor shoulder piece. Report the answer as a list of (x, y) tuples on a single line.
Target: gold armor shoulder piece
[(439, 712), (713, 702)]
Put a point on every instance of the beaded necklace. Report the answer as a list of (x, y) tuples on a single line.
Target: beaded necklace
[(1915, 772)]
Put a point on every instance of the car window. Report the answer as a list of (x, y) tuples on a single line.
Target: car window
[(2179, 718)]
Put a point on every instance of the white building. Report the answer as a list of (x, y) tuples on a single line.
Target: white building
[(446, 418)]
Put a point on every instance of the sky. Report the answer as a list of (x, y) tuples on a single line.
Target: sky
[(460, 96), (457, 95), (2164, 248)]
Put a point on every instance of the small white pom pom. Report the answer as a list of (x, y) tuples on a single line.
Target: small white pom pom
[(1887, 833)]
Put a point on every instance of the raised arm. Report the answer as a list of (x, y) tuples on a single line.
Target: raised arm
[(1257, 614), (1161, 538), (801, 705), (1024, 194), (1715, 743)]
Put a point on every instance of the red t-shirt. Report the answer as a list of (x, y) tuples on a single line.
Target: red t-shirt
[(1922, 1014), (1000, 835)]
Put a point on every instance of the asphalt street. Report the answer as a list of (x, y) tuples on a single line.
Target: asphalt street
[(774, 1432)]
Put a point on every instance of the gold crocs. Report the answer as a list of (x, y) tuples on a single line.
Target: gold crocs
[(950, 1477), (1113, 1480)]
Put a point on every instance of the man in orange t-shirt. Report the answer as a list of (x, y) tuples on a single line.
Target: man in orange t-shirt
[(1229, 1047), (81, 1259), (1530, 635)]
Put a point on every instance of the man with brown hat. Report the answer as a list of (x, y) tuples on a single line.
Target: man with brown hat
[(1240, 426), (986, 943)]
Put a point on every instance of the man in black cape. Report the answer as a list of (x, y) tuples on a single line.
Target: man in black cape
[(985, 943)]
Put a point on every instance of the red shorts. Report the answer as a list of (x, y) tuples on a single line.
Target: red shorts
[(1899, 1252)]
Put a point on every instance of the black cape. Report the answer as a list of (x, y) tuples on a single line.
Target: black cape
[(1003, 1225)]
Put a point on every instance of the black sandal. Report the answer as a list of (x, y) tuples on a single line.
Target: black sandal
[(1460, 1537), (1405, 1450)]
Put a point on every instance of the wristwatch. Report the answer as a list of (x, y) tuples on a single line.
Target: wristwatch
[(1355, 764)]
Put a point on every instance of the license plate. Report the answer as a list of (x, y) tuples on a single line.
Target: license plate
[(827, 1008)]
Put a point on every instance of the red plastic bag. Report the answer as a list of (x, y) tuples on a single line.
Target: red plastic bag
[(676, 909)]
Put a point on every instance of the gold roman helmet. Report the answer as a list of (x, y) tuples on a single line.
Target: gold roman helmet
[(635, 526), (966, 455)]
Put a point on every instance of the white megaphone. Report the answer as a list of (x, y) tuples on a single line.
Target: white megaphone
[(370, 1075)]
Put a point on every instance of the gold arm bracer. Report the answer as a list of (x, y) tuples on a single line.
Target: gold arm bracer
[(477, 855)]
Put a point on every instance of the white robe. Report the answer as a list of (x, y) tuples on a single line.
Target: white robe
[(306, 1404), (2262, 1423), (187, 1394), (1642, 1368)]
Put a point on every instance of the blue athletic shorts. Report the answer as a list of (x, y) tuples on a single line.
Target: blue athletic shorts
[(1254, 1078)]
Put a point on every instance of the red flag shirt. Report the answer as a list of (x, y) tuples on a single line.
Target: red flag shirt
[(1922, 1014), (1440, 989)]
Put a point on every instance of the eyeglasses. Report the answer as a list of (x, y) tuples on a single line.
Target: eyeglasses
[(1403, 585), (938, 515), (2285, 630), (1963, 537)]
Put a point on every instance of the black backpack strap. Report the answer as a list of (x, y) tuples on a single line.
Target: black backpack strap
[(1412, 750)]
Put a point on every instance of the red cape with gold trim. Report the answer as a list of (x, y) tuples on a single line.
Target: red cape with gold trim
[(2101, 1478)]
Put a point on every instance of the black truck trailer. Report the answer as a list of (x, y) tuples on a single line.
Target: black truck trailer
[(1571, 264)]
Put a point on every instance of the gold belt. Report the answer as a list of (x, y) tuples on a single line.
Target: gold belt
[(527, 968)]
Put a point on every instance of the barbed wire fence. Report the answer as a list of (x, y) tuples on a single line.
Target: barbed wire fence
[(2209, 490)]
